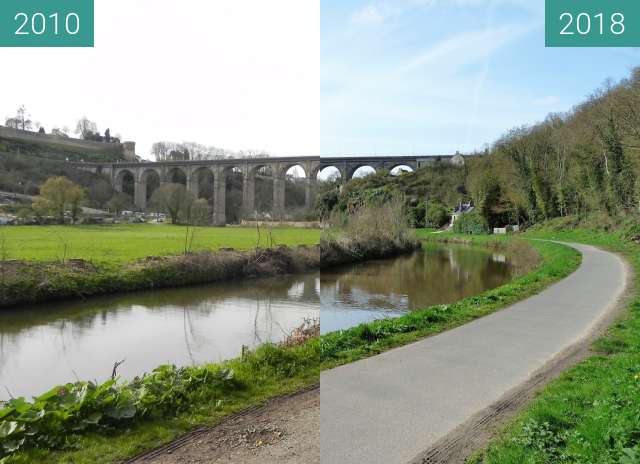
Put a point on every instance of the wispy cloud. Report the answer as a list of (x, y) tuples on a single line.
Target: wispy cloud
[(467, 48), (378, 12)]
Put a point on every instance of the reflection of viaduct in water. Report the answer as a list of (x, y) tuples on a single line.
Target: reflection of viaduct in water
[(209, 178)]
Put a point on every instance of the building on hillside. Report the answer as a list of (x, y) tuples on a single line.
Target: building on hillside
[(462, 208)]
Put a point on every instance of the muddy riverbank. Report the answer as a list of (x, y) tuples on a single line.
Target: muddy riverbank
[(27, 282)]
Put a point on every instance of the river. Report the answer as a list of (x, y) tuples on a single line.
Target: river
[(436, 274), (56, 343)]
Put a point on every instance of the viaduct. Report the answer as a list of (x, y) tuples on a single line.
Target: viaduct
[(140, 179)]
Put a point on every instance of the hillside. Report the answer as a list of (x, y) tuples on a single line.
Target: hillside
[(25, 174), (59, 147), (575, 163)]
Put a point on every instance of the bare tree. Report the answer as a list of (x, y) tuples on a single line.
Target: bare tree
[(86, 128), (21, 120)]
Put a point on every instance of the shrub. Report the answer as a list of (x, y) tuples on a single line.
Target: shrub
[(471, 223)]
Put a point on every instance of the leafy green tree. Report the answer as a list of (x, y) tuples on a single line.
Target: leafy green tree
[(175, 200), (59, 194)]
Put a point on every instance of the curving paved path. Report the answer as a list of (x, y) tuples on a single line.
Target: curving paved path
[(389, 408)]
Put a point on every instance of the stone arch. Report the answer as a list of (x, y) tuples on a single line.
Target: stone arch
[(329, 172), (150, 181), (202, 183), (259, 189), (296, 189), (177, 175), (234, 180), (285, 169), (399, 168), (357, 168), (125, 182)]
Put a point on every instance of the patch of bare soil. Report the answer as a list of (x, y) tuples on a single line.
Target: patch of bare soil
[(285, 431)]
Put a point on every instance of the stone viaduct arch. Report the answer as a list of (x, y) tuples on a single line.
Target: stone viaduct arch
[(209, 178)]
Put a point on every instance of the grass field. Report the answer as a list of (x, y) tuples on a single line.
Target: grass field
[(122, 243)]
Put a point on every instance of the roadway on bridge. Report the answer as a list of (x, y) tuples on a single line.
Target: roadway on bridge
[(390, 408)]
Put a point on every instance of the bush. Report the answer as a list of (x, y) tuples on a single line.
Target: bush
[(472, 224), (438, 214)]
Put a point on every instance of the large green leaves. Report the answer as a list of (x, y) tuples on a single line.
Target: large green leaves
[(55, 417)]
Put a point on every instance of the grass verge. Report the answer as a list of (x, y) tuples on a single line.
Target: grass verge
[(557, 261), (590, 414)]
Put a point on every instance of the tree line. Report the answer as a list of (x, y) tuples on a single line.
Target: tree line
[(85, 128), (574, 163), (173, 151)]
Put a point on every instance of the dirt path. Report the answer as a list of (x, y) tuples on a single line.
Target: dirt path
[(285, 431), (443, 393)]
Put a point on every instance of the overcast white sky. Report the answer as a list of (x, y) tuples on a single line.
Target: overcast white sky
[(237, 74)]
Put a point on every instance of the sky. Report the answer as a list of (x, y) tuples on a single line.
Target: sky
[(309, 77), (236, 74), (429, 77)]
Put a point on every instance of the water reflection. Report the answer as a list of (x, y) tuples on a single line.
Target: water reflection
[(388, 288), (44, 345)]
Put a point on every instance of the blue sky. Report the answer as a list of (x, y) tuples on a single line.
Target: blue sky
[(435, 76)]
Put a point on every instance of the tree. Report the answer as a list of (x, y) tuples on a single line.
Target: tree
[(175, 200), (118, 203), (41, 130), (12, 123), (86, 128), (59, 194), (100, 191), (107, 135), (23, 118), (75, 200), (60, 132), (199, 214)]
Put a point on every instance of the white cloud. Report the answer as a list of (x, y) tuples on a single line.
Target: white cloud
[(467, 48), (380, 11)]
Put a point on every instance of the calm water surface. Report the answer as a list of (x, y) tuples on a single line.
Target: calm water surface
[(388, 288), (46, 345), (53, 344)]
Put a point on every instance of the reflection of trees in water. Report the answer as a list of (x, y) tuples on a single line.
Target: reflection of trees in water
[(264, 308), (432, 276), (197, 300)]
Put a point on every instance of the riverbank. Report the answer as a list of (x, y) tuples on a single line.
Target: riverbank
[(275, 371), (341, 251), (590, 413), (270, 372), (345, 346), (27, 282)]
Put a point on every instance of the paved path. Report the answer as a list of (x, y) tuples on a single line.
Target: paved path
[(389, 408)]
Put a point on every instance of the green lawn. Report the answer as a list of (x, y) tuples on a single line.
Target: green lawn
[(121, 243)]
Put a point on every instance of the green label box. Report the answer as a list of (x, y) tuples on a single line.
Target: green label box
[(592, 23), (46, 23)]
